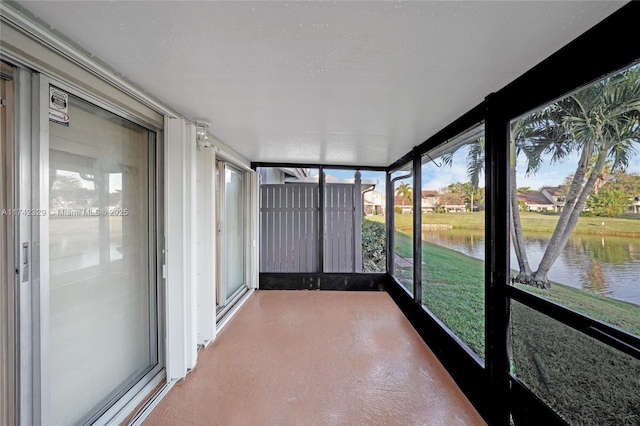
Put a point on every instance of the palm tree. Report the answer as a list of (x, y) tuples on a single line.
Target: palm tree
[(602, 177), (533, 136), (405, 191), (601, 120)]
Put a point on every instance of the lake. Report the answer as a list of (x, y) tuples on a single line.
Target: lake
[(604, 265)]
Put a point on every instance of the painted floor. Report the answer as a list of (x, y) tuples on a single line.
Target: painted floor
[(316, 357)]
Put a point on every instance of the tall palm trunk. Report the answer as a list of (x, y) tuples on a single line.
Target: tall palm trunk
[(560, 239), (517, 234)]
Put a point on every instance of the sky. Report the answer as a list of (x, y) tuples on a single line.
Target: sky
[(349, 174), (554, 174), (434, 177)]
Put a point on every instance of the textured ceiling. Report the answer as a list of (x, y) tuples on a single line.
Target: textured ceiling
[(356, 83)]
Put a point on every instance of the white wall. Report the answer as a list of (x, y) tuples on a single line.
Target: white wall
[(175, 244), (190, 242), (205, 245)]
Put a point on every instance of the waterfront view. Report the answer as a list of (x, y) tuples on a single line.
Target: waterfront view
[(601, 264)]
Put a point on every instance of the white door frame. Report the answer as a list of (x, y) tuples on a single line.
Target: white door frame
[(226, 306), (8, 280), (32, 245)]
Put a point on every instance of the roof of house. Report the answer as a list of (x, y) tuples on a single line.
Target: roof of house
[(555, 191), (429, 193), (451, 200), (533, 198), (398, 201)]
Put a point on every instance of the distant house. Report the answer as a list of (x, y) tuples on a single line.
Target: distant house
[(429, 201), (405, 204), (374, 202), (557, 195), (280, 175), (634, 205), (548, 199), (537, 202), (452, 203)]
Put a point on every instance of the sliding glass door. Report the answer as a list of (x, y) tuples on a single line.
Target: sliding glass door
[(231, 231), (102, 313), (234, 218)]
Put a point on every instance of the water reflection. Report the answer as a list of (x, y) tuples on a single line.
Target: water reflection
[(597, 279), (605, 265)]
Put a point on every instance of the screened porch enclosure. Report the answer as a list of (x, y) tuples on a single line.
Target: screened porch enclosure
[(484, 275)]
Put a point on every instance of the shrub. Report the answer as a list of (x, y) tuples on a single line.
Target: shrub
[(374, 254), (608, 203)]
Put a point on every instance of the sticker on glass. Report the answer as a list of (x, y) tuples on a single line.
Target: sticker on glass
[(58, 117), (58, 100)]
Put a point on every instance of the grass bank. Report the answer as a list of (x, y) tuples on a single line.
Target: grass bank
[(531, 222), (585, 381)]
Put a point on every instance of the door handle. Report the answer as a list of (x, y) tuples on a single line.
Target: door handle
[(25, 262)]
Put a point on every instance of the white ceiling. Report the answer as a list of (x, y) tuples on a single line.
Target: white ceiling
[(351, 83)]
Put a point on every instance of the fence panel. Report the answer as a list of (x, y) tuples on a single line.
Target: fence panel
[(289, 228), (339, 228)]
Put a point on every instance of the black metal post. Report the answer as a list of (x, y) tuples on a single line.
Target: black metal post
[(321, 203), (417, 227), (497, 261), (389, 216)]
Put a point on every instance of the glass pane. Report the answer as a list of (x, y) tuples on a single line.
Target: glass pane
[(374, 227), (575, 186), (403, 226), (354, 205), (581, 378), (452, 200), (100, 317), (234, 229)]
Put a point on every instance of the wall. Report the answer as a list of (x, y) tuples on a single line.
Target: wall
[(188, 288)]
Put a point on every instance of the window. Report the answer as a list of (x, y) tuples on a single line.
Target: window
[(576, 242), (584, 380), (453, 239), (103, 293), (402, 184), (577, 157), (353, 220)]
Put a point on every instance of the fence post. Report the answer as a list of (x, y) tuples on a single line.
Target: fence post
[(357, 226)]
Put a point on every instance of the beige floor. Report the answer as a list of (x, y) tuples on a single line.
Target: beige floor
[(316, 357)]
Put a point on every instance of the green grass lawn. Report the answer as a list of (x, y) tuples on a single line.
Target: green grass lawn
[(586, 381), (452, 288), (531, 222)]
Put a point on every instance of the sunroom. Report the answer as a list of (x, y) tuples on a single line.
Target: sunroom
[(312, 212)]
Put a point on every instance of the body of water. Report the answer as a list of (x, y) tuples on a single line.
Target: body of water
[(604, 265)]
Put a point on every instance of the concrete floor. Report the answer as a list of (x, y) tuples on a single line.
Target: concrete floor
[(316, 357)]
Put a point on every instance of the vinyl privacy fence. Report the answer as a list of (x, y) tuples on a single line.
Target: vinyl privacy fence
[(290, 228)]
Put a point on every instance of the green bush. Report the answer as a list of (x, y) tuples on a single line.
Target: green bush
[(374, 248), (608, 203)]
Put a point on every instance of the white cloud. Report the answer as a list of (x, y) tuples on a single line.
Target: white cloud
[(439, 177)]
